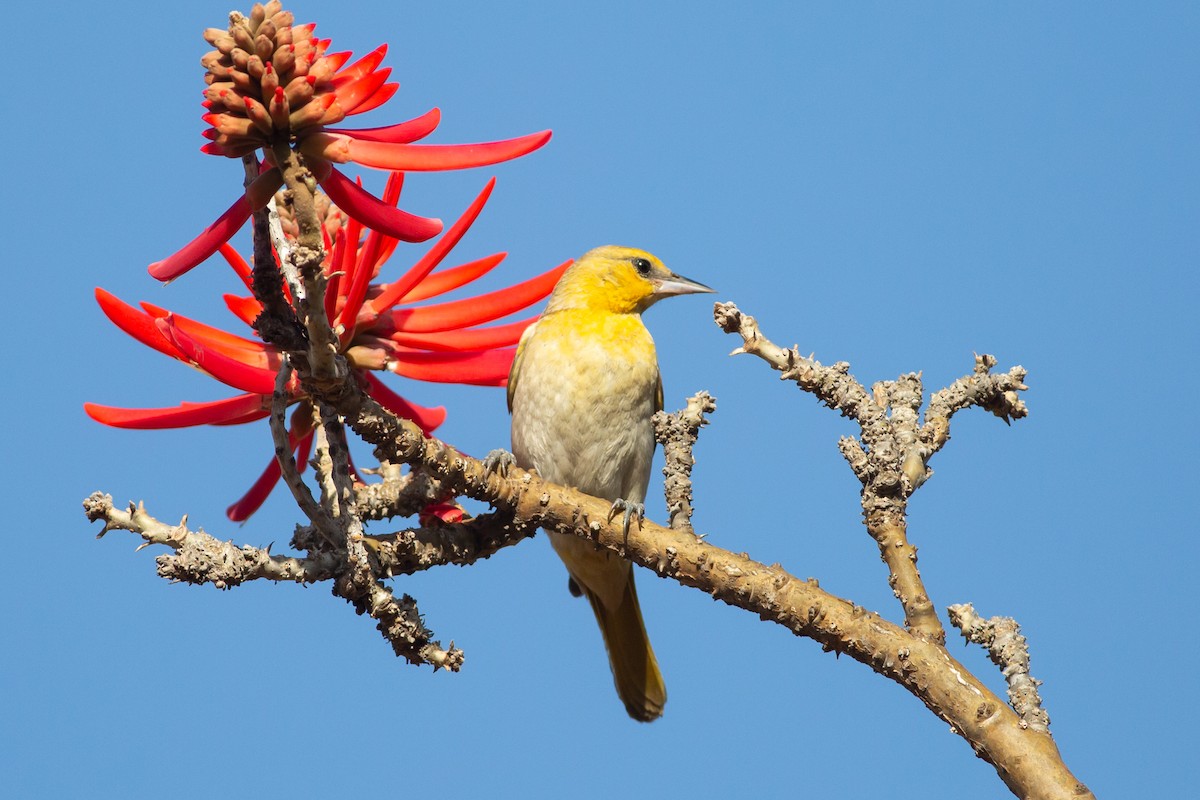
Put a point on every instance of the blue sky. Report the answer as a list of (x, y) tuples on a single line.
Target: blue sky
[(893, 188)]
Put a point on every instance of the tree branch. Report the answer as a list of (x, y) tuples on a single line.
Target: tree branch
[(200, 558), (878, 461), (677, 433), (1008, 650)]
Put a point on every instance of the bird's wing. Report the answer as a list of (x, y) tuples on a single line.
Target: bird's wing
[(658, 393), (515, 371)]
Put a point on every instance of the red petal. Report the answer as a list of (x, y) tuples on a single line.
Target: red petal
[(255, 417), (476, 310), (249, 351), (253, 499), (486, 368), (238, 263), (400, 133), (353, 94), (368, 259), (468, 339), (373, 213), (392, 292), (233, 410), (427, 418), (135, 323), (443, 513), (204, 245), (364, 66), (336, 60), (246, 309), (335, 288), (349, 235), (374, 100), (450, 279), (418, 157), (219, 365)]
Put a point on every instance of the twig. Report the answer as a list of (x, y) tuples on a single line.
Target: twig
[(283, 252), (397, 496), (877, 461), (996, 393), (833, 386), (677, 433), (333, 469), (200, 558), (460, 543), (319, 517), (400, 623), (1008, 650)]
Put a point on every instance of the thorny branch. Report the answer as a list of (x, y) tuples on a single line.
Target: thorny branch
[(677, 433), (287, 463), (1010, 652), (201, 558), (881, 459), (356, 575)]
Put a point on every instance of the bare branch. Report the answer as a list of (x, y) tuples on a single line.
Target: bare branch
[(461, 543), (677, 433), (397, 495), (283, 251), (878, 460), (200, 558), (996, 393), (1008, 650), (332, 465), (287, 462), (400, 623), (833, 386)]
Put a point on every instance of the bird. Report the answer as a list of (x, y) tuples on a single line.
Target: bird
[(582, 391)]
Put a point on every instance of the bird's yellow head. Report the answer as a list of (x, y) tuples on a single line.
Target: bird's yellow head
[(619, 280)]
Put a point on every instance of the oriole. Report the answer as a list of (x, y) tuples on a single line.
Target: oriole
[(582, 390)]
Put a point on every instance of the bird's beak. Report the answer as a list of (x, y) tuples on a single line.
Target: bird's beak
[(677, 284)]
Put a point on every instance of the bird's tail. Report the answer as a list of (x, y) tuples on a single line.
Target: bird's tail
[(635, 669)]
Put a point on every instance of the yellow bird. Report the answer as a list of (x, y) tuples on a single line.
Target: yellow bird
[(582, 391)]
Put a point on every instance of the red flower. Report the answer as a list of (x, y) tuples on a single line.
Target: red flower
[(440, 342), (272, 83)]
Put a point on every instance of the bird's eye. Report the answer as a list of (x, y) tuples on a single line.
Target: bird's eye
[(642, 266)]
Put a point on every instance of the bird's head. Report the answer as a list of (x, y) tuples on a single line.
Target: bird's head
[(620, 280)]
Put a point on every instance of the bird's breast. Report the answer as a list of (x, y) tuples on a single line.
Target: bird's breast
[(583, 403)]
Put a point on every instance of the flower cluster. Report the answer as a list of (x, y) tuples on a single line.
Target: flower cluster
[(274, 88), (272, 85)]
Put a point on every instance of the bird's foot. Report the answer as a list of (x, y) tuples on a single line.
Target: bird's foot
[(630, 510), (499, 461)]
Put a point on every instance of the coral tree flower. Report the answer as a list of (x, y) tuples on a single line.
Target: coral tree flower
[(272, 83), (377, 326)]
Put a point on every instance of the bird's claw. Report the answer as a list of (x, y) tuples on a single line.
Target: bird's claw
[(498, 461), (630, 511)]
